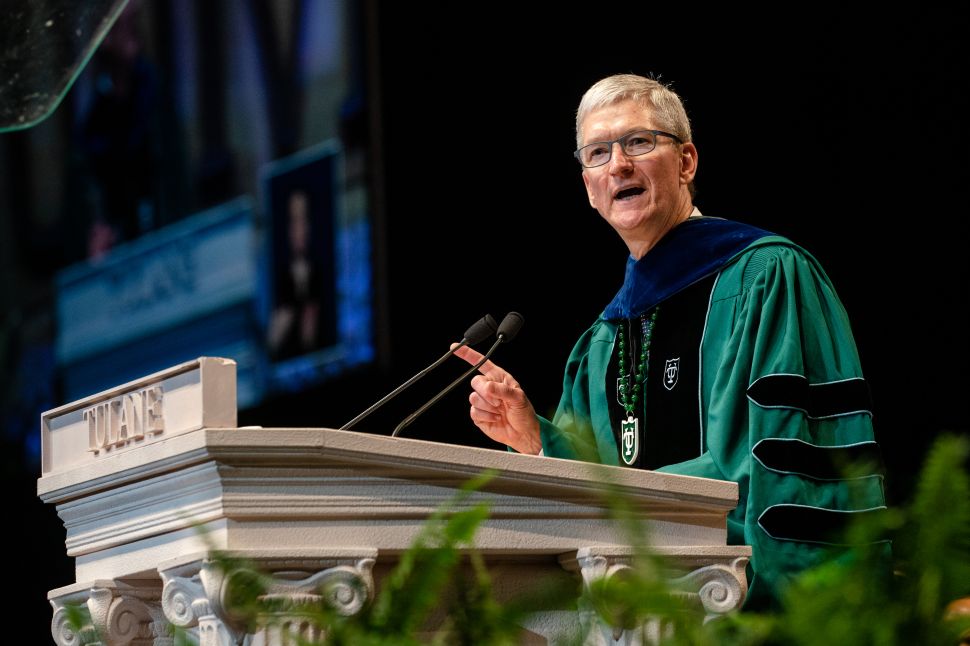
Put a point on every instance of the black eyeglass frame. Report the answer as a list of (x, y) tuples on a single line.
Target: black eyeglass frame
[(622, 141)]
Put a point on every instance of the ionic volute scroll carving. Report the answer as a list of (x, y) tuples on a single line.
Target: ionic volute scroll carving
[(717, 589), (345, 589), (187, 604), (110, 615), (604, 626), (294, 588), (72, 624), (222, 601), (720, 587)]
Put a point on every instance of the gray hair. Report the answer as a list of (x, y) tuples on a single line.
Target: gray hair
[(667, 108)]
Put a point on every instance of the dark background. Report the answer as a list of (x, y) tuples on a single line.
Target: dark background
[(846, 133)]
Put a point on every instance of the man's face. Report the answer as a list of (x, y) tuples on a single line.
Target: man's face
[(640, 195)]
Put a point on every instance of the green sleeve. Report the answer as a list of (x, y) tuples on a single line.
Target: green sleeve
[(776, 324), (580, 428)]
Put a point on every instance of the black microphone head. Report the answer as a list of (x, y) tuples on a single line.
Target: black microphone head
[(481, 329), (510, 326)]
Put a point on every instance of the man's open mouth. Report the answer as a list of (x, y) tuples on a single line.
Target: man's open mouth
[(628, 193)]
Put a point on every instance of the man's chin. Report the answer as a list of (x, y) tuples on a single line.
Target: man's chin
[(628, 218)]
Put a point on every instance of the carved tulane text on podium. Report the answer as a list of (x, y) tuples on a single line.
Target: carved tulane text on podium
[(124, 419), (196, 394)]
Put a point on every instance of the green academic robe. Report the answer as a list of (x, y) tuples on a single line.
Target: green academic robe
[(783, 407)]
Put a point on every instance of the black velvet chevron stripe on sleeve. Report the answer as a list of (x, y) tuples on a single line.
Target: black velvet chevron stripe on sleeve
[(829, 399), (819, 462), (813, 524)]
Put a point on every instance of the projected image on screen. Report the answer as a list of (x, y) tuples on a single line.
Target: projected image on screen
[(303, 318), (319, 314)]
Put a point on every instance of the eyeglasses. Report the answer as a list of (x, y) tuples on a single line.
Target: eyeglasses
[(633, 144)]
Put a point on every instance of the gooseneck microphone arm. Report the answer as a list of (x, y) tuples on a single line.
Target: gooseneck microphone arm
[(510, 326), (479, 331)]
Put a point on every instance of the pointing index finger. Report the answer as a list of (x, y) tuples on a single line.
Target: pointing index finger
[(473, 356)]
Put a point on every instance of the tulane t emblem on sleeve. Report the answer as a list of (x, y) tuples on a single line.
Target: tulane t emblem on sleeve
[(630, 440)]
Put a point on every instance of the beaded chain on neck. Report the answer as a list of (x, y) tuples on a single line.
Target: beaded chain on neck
[(629, 400)]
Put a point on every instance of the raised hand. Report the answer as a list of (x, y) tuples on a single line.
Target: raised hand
[(499, 406)]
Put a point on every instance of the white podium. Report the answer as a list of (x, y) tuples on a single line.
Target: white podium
[(151, 476)]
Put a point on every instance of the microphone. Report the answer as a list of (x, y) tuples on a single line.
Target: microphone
[(507, 330), (478, 332)]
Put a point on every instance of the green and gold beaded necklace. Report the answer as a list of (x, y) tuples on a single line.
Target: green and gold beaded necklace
[(630, 392)]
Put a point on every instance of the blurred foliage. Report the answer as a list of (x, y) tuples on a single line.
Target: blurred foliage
[(849, 599), (852, 599)]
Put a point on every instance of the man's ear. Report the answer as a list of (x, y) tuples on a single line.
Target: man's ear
[(688, 162)]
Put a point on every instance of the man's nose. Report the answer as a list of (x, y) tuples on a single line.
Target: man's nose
[(619, 161)]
